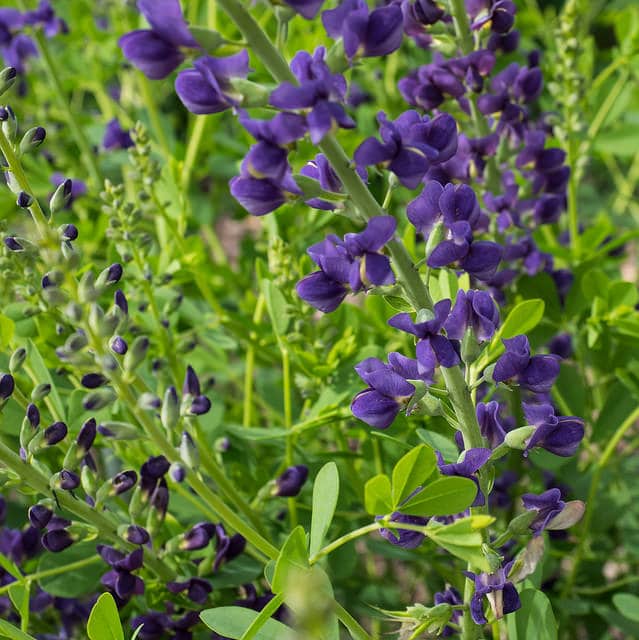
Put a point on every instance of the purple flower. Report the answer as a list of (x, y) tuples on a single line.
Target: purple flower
[(57, 540), (405, 538), (39, 516), (473, 461), (354, 262), (410, 144), (207, 88), (228, 547), (497, 589), (547, 505), (55, 433), (137, 535), (453, 597), (560, 435), (474, 310), (198, 536), (115, 137), (320, 169), (261, 196), (561, 345), (197, 589), (417, 16), (536, 373), (319, 90), (158, 51), (432, 349), (306, 8), (365, 33), (290, 483), (124, 481), (489, 423), (121, 579), (7, 385), (388, 391)]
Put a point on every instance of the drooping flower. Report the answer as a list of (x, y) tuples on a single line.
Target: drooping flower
[(547, 505), (474, 310), (159, 50), (207, 88), (560, 435), (489, 423)]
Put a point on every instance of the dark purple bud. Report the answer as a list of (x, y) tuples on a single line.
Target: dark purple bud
[(12, 244), (113, 273), (7, 385), (55, 433), (39, 516), (87, 434), (200, 406), (69, 232), (121, 301), (119, 345), (93, 380), (124, 481), (197, 589), (137, 535), (561, 345), (191, 382), (57, 540), (33, 415), (24, 200), (290, 483), (155, 467), (32, 139), (177, 472), (69, 480)]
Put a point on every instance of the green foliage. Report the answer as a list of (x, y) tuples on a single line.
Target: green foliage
[(104, 621)]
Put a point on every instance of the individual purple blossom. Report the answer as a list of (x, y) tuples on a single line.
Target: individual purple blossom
[(118, 345), (405, 538), (475, 310), (57, 540), (547, 505), (410, 144), (124, 481), (69, 480), (120, 578), (417, 16), (228, 547), (207, 88), (45, 16), (472, 462), (115, 137), (500, 18), (39, 516), (198, 536), (159, 50), (560, 435), (365, 33), (290, 483), (261, 196), (536, 373), (320, 169), (356, 262), (388, 390), (136, 534), (306, 8), (432, 349), (489, 422), (497, 589), (320, 91)]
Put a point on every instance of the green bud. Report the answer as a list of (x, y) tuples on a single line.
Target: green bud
[(76, 342), (7, 78), (137, 504), (188, 451), (470, 348), (61, 197), (122, 430), (88, 480), (97, 322), (73, 456), (98, 399), (54, 296), (73, 311), (12, 182), (136, 353), (27, 433), (86, 288), (251, 94), (170, 413), (10, 128), (32, 139), (520, 524), (518, 438), (41, 392), (17, 359)]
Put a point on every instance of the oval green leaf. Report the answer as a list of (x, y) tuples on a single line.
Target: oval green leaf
[(104, 620), (325, 494), (444, 497), (232, 622)]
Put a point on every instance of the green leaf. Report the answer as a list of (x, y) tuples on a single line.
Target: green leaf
[(445, 497), (232, 622), (627, 604), (377, 495), (73, 582), (42, 375), (411, 471), (462, 538), (441, 443), (325, 493), (7, 330), (242, 570), (19, 596), (523, 318), (104, 620), (535, 619), (276, 306), (208, 39), (398, 303), (10, 567), (293, 556), (9, 631)]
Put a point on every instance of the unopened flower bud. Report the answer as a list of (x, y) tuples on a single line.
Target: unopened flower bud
[(435, 236), (68, 232), (118, 345), (149, 402), (67, 480), (24, 200), (86, 287), (170, 413), (17, 359), (12, 243), (88, 480), (93, 380), (290, 483), (9, 124), (33, 415), (518, 438), (136, 354), (32, 139), (7, 385), (188, 451), (55, 433), (41, 392), (86, 436), (199, 406), (61, 198), (7, 78), (198, 536), (99, 399), (110, 275), (177, 472), (57, 540), (124, 481), (39, 516), (134, 534)]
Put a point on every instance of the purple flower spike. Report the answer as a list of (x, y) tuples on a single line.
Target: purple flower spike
[(547, 505), (319, 90), (115, 137), (158, 51), (207, 88), (388, 392), (290, 483), (474, 310), (498, 590), (365, 34), (560, 435), (405, 538)]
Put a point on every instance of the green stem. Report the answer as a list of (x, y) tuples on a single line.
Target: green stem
[(354, 628), (192, 150), (15, 167), (347, 537), (249, 369), (288, 424), (608, 452), (88, 156), (154, 114)]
